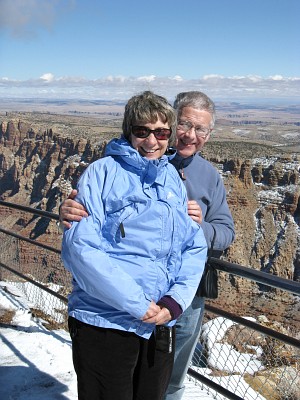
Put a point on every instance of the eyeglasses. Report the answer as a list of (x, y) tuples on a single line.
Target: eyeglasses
[(143, 132), (200, 131)]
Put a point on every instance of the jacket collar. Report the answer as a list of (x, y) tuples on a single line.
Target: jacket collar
[(151, 170), (180, 162)]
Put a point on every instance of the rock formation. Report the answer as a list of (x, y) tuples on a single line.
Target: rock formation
[(39, 168)]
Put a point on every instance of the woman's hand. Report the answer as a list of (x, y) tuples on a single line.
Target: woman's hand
[(157, 315)]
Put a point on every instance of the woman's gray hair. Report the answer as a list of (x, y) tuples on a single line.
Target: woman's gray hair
[(148, 107), (197, 100)]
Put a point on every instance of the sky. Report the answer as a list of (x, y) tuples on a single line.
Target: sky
[(111, 49), (36, 363)]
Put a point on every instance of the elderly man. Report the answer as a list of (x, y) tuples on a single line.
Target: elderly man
[(195, 121), (207, 206)]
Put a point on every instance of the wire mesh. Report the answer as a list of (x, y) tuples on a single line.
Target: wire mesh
[(248, 363), (41, 266)]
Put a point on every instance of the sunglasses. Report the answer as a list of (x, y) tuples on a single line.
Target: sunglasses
[(143, 132)]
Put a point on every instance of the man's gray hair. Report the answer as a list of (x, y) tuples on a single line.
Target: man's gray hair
[(197, 100), (148, 107)]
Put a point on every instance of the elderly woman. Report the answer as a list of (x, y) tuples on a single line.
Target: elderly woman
[(136, 260)]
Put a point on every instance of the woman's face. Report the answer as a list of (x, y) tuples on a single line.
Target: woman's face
[(150, 147)]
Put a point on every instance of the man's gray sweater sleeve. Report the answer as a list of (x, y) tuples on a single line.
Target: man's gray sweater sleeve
[(205, 185)]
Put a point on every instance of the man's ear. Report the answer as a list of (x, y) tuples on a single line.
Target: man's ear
[(207, 137)]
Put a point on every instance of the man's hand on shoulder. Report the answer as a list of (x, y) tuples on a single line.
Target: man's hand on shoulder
[(195, 211), (70, 210)]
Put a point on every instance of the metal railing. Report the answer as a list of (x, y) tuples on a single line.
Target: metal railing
[(44, 270)]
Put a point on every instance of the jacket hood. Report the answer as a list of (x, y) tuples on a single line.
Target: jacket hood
[(121, 148)]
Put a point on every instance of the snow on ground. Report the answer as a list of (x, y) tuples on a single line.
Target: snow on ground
[(36, 363)]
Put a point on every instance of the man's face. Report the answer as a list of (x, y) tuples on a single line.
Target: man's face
[(193, 131)]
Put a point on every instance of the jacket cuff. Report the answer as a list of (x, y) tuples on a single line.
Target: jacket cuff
[(172, 305)]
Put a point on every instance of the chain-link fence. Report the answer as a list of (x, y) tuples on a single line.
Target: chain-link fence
[(37, 268), (250, 364), (247, 362)]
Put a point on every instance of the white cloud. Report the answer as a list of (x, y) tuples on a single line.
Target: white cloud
[(121, 87), (177, 78), (212, 76), (47, 77), (254, 78), (149, 78), (23, 18), (277, 77)]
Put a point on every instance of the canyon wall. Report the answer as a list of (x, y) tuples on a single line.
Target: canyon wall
[(39, 168)]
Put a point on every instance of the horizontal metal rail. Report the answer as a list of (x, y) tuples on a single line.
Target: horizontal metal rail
[(213, 385), (231, 268), (235, 269), (25, 277), (253, 325), (257, 276), (31, 210), (34, 242)]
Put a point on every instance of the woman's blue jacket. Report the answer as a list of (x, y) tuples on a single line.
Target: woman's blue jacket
[(138, 243)]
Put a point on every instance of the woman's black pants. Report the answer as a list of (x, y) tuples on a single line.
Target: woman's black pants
[(116, 365)]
